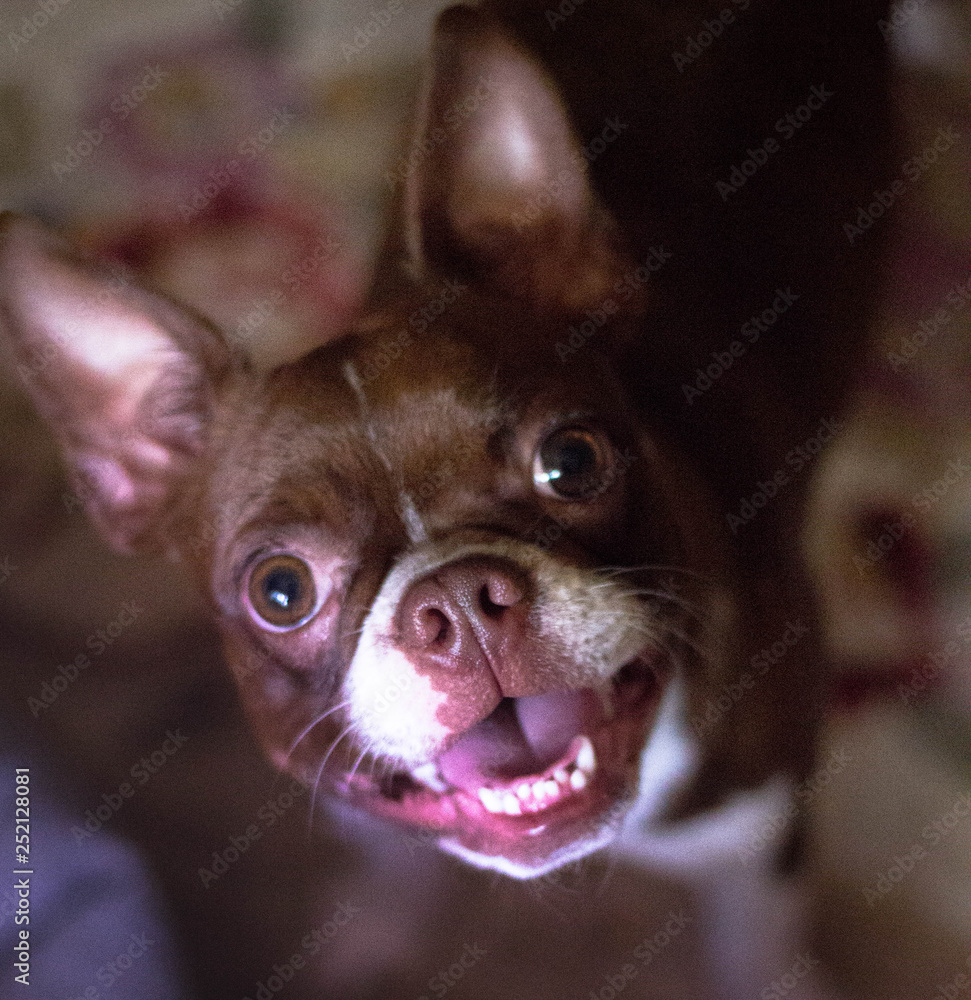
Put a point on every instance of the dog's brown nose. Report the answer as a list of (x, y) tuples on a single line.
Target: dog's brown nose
[(468, 622)]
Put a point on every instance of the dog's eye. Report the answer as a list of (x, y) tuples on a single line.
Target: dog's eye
[(572, 464), (281, 592)]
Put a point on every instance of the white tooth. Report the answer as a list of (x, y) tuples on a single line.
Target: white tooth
[(491, 800), (586, 758), (578, 781), (427, 775), (539, 790), (553, 790), (510, 805), (560, 776), (524, 791)]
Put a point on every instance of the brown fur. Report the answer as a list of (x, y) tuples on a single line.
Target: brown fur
[(206, 450)]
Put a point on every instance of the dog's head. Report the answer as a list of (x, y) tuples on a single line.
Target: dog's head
[(445, 555)]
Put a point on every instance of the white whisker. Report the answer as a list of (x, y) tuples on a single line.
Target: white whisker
[(319, 718), (357, 763)]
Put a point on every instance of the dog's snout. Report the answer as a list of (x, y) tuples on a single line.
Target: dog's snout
[(467, 627), (464, 611)]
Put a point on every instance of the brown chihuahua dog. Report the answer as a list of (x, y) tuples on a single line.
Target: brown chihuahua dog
[(462, 554)]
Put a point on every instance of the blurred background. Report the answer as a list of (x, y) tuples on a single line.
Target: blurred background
[(183, 120), (240, 154)]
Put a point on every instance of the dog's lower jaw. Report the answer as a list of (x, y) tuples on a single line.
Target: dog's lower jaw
[(525, 825), (602, 837), (529, 846)]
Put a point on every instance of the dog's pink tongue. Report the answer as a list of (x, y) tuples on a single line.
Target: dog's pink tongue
[(522, 737)]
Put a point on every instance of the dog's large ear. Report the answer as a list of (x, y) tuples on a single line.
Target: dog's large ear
[(496, 187), (126, 379)]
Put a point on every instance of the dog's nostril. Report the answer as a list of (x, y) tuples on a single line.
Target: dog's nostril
[(497, 594), (460, 605), (432, 626), (488, 606)]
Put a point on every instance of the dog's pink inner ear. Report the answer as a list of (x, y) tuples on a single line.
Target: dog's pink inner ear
[(125, 379), (501, 190)]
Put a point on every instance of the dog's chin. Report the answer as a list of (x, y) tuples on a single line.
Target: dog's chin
[(499, 803)]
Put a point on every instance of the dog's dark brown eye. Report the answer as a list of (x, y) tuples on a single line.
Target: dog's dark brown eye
[(282, 591), (572, 464)]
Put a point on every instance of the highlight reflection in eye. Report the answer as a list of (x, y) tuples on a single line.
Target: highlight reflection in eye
[(572, 464), (281, 592)]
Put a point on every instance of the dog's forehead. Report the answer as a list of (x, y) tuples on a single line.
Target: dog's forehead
[(289, 448), (383, 433), (484, 351), (321, 441)]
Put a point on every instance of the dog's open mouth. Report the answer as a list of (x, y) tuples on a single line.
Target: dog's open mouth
[(539, 775)]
